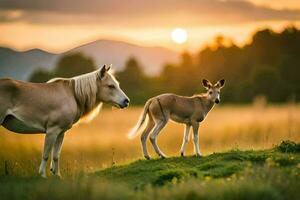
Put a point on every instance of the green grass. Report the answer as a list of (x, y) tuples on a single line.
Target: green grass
[(264, 174)]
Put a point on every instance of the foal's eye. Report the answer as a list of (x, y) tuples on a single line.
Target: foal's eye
[(210, 92), (111, 86)]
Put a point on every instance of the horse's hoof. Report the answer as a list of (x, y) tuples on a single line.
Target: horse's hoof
[(162, 156), (182, 154)]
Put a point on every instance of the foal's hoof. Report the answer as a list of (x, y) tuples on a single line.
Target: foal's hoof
[(58, 176), (199, 155), (147, 157), (162, 156), (182, 154), (44, 176)]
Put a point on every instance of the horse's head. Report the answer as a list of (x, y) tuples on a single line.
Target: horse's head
[(109, 89)]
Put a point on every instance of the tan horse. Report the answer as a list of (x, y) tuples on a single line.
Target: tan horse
[(187, 110), (53, 107)]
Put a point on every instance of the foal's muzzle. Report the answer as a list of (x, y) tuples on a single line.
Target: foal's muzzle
[(125, 103), (217, 101)]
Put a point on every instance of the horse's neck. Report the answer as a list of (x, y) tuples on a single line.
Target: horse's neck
[(86, 104)]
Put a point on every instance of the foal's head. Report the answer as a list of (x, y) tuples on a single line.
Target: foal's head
[(213, 91), (109, 89)]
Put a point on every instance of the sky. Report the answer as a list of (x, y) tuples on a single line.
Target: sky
[(59, 25)]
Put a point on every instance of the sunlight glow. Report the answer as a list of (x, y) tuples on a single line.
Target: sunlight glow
[(179, 35)]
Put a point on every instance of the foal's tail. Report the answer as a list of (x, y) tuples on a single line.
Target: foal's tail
[(134, 131)]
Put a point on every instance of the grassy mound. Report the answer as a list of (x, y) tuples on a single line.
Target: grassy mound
[(289, 147), (264, 174), (215, 166)]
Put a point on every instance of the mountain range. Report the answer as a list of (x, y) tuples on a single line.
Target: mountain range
[(20, 64)]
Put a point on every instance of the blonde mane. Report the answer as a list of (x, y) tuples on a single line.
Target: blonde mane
[(86, 88)]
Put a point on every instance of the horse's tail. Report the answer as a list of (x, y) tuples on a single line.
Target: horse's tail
[(134, 131)]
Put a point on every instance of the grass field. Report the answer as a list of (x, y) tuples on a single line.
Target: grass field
[(262, 174), (90, 150), (102, 142)]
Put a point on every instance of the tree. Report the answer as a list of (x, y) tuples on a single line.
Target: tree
[(40, 76), (68, 66), (266, 81), (73, 65), (134, 82)]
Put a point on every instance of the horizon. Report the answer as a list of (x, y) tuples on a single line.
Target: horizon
[(60, 27), (240, 44)]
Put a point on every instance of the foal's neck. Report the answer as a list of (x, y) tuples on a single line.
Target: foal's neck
[(206, 103)]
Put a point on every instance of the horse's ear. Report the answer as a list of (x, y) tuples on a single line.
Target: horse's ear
[(103, 70), (206, 84)]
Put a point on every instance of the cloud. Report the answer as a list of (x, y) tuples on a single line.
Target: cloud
[(10, 15), (141, 12)]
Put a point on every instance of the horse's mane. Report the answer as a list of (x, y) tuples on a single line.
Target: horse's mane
[(86, 88)]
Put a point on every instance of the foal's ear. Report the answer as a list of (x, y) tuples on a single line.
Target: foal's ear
[(206, 84), (103, 70), (220, 83)]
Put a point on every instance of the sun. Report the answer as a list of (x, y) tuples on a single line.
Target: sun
[(179, 35)]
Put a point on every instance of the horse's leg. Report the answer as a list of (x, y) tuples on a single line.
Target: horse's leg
[(56, 154), (2, 116), (196, 139), (51, 135), (1, 119), (153, 136), (145, 135), (185, 139)]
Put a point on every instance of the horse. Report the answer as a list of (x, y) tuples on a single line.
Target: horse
[(54, 107), (187, 110)]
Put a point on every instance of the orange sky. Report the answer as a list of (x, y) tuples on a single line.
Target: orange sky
[(58, 28)]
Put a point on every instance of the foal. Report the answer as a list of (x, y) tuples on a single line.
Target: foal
[(187, 110)]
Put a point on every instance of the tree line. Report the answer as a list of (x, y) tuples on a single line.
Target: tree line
[(269, 65)]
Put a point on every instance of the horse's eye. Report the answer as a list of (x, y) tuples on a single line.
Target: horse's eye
[(111, 86), (210, 92)]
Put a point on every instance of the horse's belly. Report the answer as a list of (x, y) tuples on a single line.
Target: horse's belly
[(14, 124)]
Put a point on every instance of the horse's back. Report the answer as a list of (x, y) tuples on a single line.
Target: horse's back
[(8, 87), (40, 97)]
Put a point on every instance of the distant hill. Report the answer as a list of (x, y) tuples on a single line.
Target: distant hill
[(20, 65), (116, 53)]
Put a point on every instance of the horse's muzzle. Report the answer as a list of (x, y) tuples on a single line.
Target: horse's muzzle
[(125, 103), (217, 101)]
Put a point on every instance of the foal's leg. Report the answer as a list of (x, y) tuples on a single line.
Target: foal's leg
[(145, 135), (51, 135), (153, 136), (185, 139), (56, 154), (196, 139)]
